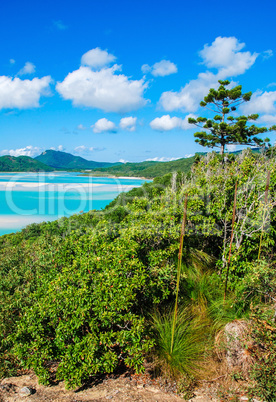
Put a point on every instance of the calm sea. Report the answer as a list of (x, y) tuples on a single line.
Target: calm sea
[(35, 197)]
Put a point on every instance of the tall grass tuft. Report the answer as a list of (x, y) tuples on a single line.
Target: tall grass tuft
[(189, 346), (179, 268)]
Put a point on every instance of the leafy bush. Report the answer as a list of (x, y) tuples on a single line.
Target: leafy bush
[(85, 312)]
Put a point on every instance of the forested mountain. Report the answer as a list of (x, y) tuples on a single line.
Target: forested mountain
[(66, 161), (22, 164)]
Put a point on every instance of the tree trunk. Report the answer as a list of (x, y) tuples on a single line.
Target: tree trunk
[(222, 149)]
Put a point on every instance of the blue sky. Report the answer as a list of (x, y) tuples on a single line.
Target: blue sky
[(116, 80)]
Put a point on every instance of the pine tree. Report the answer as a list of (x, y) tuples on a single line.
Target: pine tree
[(225, 129)]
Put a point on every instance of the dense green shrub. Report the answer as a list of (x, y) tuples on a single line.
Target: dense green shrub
[(85, 312)]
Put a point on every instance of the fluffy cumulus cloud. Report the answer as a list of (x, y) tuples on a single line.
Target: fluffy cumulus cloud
[(103, 89), (261, 102), (22, 94), (160, 69), (167, 123), (27, 151), (188, 98), (104, 125), (128, 123), (29, 68), (97, 58), (225, 55)]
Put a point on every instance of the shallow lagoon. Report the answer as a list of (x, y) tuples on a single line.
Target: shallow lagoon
[(35, 197)]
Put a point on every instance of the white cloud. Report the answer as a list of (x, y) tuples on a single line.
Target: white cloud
[(97, 58), (123, 161), (268, 119), (160, 69), (104, 125), (167, 123), (163, 159), (103, 90), (29, 68), (22, 94), (82, 149), (12, 61), (223, 54), (188, 98), (128, 123), (145, 68), (59, 148), (27, 151), (261, 102), (267, 54), (81, 127)]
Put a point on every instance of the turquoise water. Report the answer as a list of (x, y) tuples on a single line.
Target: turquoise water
[(35, 197)]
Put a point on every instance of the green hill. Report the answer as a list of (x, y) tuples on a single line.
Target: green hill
[(148, 169), (64, 160), (22, 164), (97, 293)]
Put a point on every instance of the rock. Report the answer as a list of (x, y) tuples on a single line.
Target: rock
[(25, 391), (230, 346)]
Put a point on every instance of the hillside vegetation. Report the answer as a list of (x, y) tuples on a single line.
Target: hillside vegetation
[(149, 169), (66, 161), (22, 164), (104, 290)]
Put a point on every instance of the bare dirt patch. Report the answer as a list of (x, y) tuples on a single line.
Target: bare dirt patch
[(122, 388), (119, 388)]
